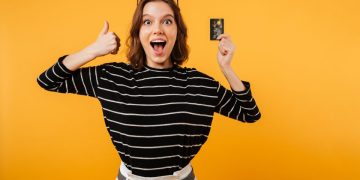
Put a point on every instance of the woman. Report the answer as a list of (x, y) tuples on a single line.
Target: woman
[(157, 113)]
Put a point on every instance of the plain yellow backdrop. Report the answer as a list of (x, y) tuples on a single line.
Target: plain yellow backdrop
[(301, 57)]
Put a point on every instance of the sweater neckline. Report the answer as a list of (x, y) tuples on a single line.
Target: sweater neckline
[(158, 69)]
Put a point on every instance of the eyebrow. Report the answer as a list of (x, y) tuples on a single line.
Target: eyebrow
[(166, 15)]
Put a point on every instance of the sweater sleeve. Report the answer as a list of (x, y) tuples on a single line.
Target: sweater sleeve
[(238, 105), (58, 78)]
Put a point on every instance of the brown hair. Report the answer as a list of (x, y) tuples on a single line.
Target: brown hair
[(136, 54)]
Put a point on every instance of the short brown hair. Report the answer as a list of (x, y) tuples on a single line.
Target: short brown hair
[(136, 54)]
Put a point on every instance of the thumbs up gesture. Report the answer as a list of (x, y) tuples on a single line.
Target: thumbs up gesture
[(106, 42)]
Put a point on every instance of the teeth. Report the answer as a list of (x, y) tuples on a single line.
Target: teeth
[(158, 41)]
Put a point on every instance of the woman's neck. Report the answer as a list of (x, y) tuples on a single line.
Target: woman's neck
[(165, 65)]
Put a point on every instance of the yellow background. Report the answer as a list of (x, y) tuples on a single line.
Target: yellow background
[(301, 57)]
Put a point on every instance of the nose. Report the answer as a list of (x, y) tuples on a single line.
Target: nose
[(158, 29)]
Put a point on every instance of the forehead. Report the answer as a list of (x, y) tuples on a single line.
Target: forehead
[(157, 9)]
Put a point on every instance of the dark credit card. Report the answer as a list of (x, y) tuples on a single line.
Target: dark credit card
[(216, 28)]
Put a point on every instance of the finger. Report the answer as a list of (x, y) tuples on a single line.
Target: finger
[(114, 41), (222, 44), (114, 49), (117, 38), (118, 42), (117, 47), (227, 49), (105, 28), (223, 36), (115, 34), (112, 36), (223, 40), (224, 50), (223, 53), (227, 44)]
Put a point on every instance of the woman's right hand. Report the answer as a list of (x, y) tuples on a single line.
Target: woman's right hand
[(106, 43)]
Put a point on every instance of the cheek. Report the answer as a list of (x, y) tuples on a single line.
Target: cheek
[(173, 35), (174, 32), (143, 35), (173, 41)]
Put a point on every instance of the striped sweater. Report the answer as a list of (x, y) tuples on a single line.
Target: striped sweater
[(157, 119)]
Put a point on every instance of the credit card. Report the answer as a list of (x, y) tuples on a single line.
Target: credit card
[(216, 27)]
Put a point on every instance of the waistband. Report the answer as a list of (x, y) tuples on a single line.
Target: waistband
[(177, 175)]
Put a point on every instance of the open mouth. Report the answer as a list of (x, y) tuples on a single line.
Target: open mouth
[(158, 44)]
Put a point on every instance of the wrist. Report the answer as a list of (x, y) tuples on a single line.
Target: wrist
[(89, 52), (226, 68)]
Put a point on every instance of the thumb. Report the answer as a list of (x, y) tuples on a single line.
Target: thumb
[(105, 29)]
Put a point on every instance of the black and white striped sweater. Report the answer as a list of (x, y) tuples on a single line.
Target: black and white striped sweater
[(158, 119)]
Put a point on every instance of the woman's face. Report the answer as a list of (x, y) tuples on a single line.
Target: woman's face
[(158, 34)]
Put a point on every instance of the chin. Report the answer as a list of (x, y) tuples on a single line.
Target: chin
[(159, 60)]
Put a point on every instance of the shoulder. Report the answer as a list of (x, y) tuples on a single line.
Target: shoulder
[(116, 66)]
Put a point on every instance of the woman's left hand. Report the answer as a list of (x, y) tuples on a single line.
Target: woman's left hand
[(226, 50)]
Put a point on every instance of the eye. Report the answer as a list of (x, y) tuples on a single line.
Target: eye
[(167, 21), (146, 22)]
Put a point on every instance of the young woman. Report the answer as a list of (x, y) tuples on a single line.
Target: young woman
[(157, 113)]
